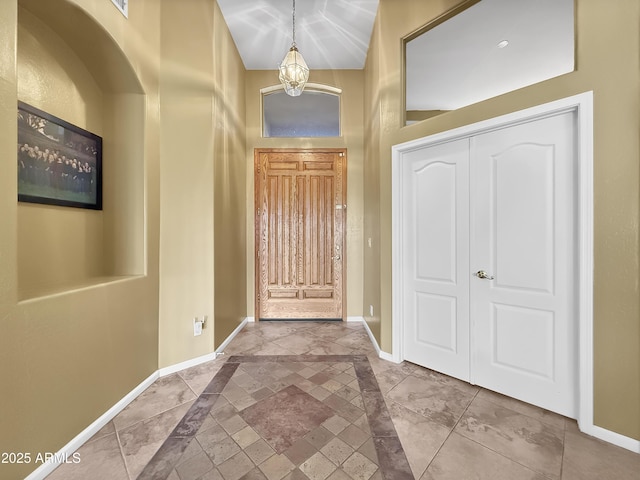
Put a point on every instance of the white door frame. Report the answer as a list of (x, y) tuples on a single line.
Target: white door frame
[(582, 105)]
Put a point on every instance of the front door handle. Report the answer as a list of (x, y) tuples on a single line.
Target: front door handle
[(484, 275)]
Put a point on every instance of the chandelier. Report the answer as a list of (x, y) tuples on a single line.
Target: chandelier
[(294, 72)]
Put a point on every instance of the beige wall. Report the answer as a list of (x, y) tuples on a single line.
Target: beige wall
[(351, 82), (613, 74), (371, 179), (230, 194), (203, 202), (202, 180), (84, 316), (52, 239), (70, 356)]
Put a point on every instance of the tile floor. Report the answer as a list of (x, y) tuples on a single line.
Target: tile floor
[(305, 400)]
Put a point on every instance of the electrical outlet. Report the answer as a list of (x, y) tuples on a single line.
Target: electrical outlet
[(197, 327), (369, 241), (371, 310)]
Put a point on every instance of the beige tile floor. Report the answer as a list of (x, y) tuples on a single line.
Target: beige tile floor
[(449, 430)]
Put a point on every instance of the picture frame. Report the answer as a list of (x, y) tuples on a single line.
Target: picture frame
[(58, 163)]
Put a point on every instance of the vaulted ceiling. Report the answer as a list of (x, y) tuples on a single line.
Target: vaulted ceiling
[(330, 34), (457, 63)]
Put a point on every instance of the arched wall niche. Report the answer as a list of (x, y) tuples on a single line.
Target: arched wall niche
[(92, 44), (70, 67)]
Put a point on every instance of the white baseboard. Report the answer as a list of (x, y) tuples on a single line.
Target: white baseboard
[(369, 332), (225, 344), (611, 437), (593, 430), (67, 451), (163, 372), (204, 358), (371, 337), (388, 357), (251, 319), (383, 355)]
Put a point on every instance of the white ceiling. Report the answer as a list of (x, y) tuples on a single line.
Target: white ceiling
[(459, 63), (454, 64), (330, 34)]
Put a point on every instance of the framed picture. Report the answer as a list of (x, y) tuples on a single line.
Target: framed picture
[(58, 163)]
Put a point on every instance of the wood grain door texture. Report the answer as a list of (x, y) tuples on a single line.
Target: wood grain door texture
[(300, 215)]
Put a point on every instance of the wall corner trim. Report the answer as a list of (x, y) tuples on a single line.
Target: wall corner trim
[(388, 357), (67, 451), (369, 332), (383, 355), (357, 319), (163, 372), (611, 437), (220, 350), (204, 358)]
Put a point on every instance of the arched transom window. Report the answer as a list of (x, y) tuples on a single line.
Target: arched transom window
[(315, 113)]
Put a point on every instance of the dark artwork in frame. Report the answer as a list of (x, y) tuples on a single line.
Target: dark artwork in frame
[(58, 163)]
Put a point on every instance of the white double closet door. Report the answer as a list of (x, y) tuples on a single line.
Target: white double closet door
[(489, 260)]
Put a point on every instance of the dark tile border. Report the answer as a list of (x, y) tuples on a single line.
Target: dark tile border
[(392, 460)]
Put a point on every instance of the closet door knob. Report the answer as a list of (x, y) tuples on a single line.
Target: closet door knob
[(484, 275)]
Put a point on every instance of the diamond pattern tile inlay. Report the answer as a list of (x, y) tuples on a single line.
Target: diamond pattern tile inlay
[(276, 416), (286, 416)]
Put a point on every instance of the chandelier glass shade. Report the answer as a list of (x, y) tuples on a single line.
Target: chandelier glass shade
[(294, 72)]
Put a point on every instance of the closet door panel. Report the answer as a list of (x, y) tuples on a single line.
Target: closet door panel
[(436, 220), (522, 238)]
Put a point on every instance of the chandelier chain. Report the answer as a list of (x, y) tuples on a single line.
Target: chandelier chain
[(294, 72), (294, 23)]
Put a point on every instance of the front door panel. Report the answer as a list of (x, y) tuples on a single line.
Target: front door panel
[(299, 233)]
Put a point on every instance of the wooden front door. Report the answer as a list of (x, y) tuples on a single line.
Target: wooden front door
[(299, 223)]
